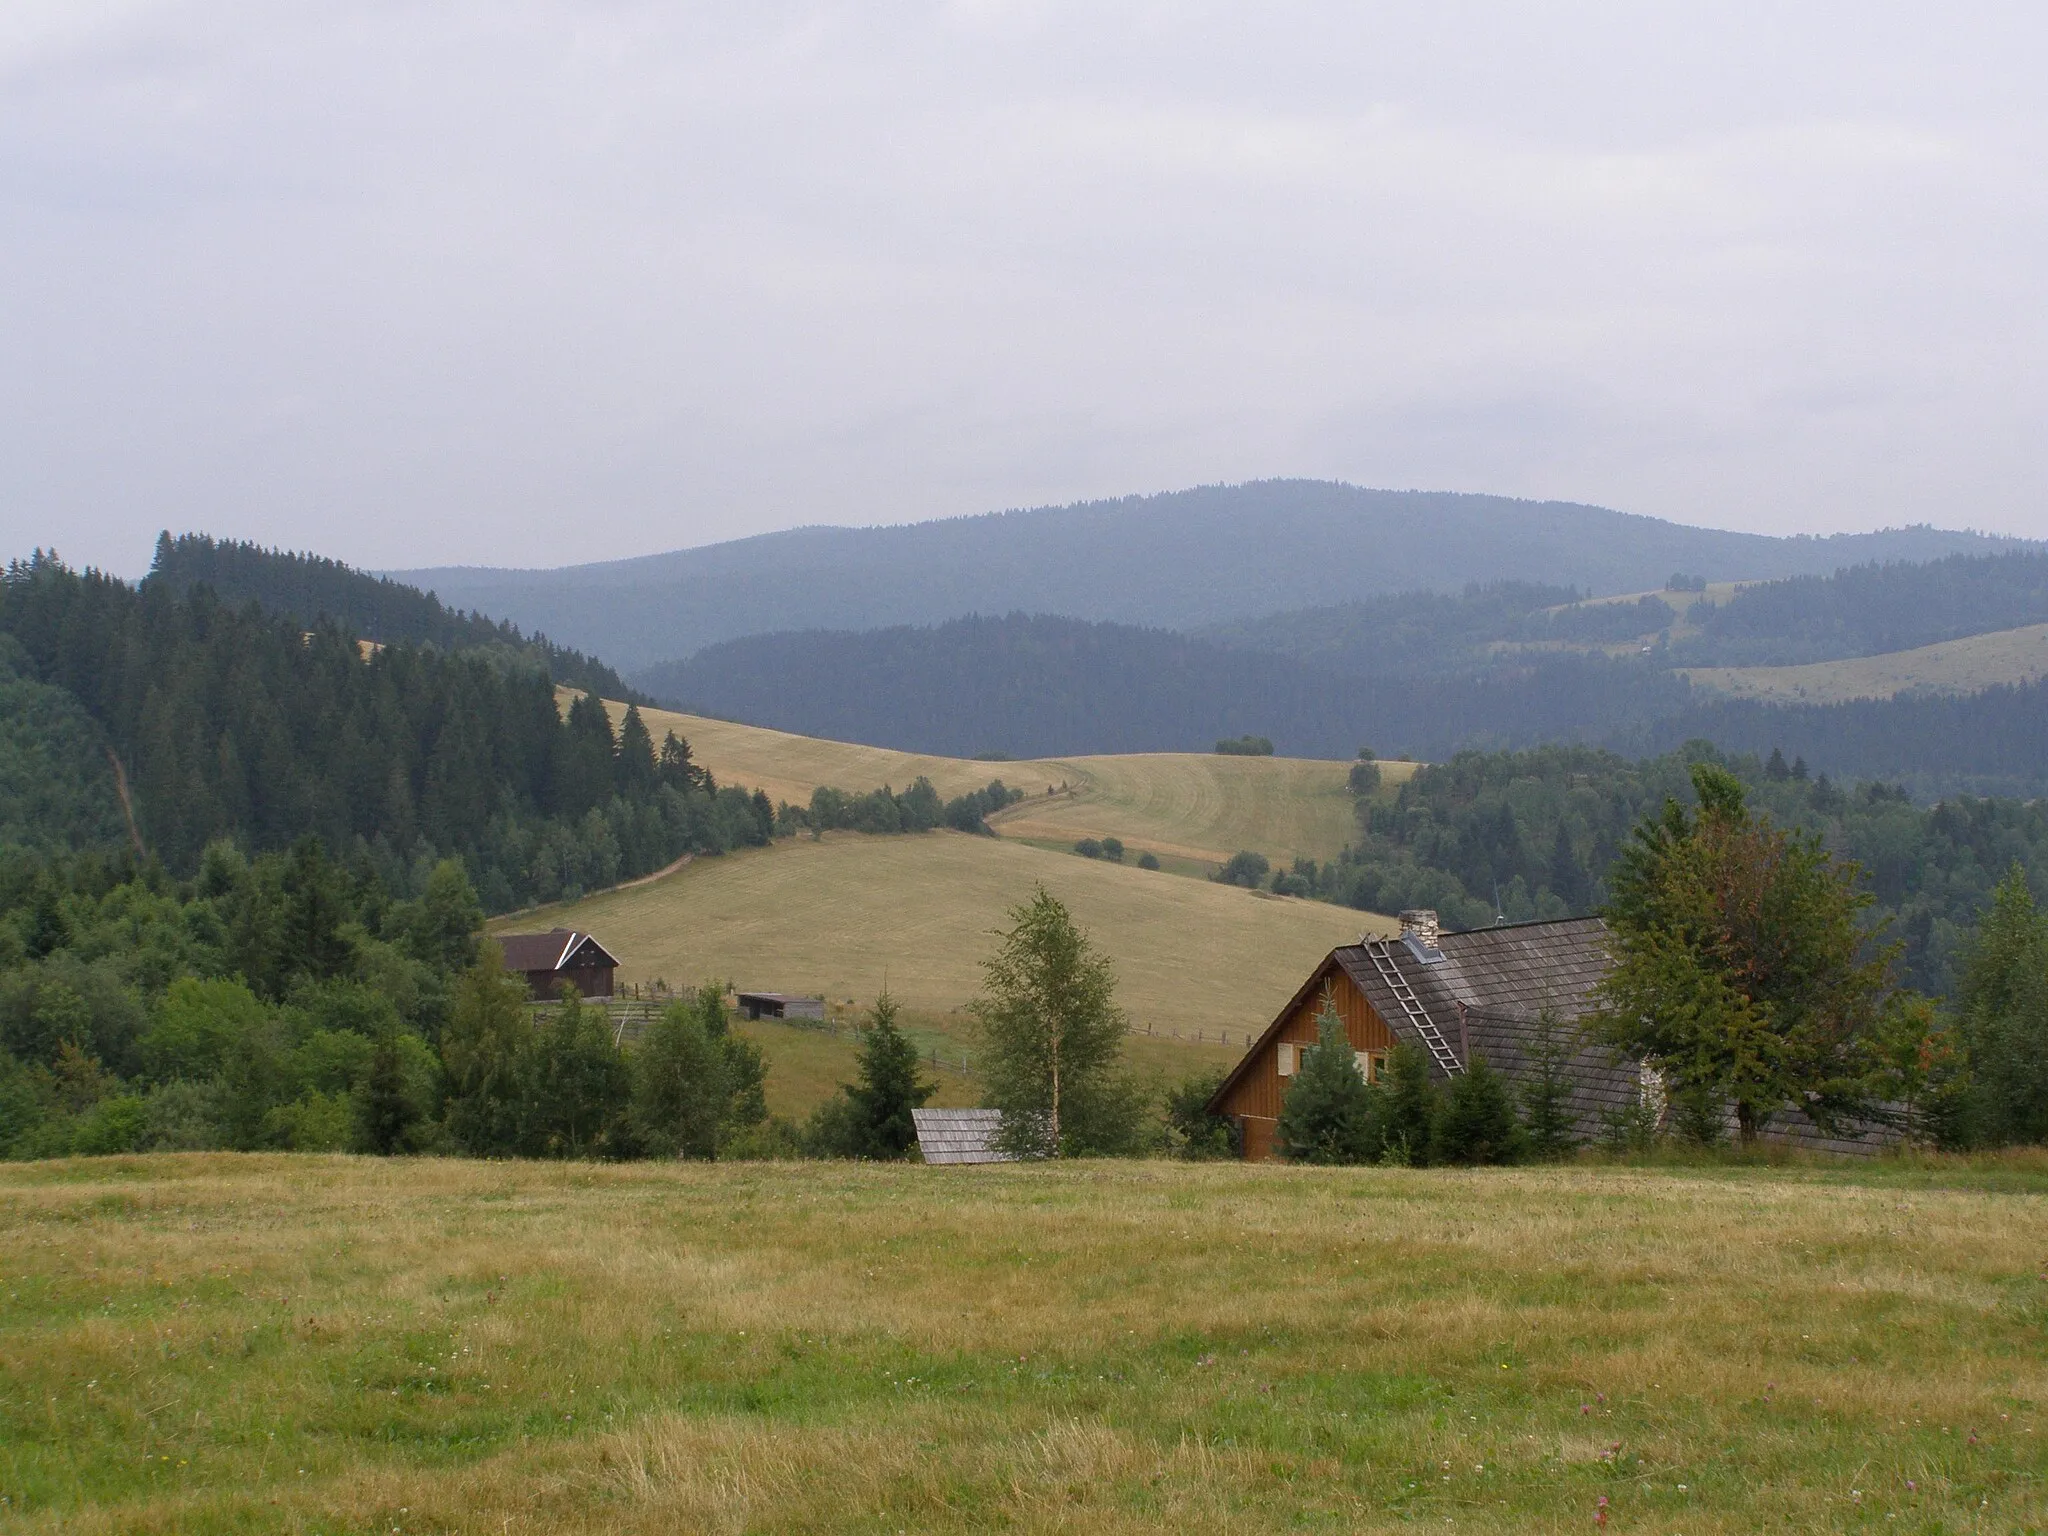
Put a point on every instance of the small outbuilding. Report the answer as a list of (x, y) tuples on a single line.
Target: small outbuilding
[(780, 1005), (960, 1135), (559, 957)]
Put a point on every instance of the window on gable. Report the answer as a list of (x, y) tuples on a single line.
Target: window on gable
[(1287, 1059)]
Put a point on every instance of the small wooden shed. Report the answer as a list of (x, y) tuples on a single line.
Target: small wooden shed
[(561, 955), (780, 1005), (960, 1135)]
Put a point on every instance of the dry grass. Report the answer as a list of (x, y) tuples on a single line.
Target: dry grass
[(1189, 805), (1953, 666), (214, 1343), (838, 915)]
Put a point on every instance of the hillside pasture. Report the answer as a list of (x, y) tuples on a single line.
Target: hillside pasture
[(1193, 806), (1968, 665), (842, 914), (214, 1343)]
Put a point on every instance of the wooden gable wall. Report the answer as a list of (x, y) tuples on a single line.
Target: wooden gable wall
[(1255, 1097)]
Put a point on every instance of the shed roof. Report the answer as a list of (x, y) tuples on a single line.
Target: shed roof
[(960, 1135), (550, 951)]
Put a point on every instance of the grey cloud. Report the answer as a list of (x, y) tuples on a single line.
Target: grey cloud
[(531, 282)]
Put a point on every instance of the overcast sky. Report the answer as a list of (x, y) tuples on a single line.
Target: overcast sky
[(535, 282)]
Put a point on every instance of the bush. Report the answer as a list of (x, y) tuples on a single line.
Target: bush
[(1148, 861), (1475, 1120), (1409, 1110), (1246, 868), (1246, 746), (1191, 1131), (1088, 848), (1113, 849)]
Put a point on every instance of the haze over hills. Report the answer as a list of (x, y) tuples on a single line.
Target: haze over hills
[(1176, 560)]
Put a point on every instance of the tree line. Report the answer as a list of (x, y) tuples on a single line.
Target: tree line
[(232, 723), (1536, 834), (312, 590)]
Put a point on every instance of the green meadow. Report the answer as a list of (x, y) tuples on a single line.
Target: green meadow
[(221, 1342)]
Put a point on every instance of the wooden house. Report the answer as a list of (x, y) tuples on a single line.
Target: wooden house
[(1509, 994), (561, 955), (1450, 995)]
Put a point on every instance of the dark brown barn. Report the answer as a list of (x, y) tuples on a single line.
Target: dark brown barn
[(1484, 992), (561, 955)]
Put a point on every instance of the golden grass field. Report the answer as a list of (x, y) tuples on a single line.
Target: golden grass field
[(1954, 666), (842, 914), (231, 1343), (1195, 806)]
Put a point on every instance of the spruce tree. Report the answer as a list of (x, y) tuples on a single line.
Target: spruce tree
[(1409, 1110), (486, 1047), (2003, 1005), (385, 1112), (1328, 1114), (1475, 1119), (890, 1088), (1551, 1128)]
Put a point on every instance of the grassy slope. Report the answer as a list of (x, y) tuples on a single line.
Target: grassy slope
[(218, 1342), (1191, 805), (1953, 666), (835, 915)]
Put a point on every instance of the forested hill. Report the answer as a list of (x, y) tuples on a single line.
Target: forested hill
[(1033, 685), (1867, 609), (1173, 561), (1039, 686), (312, 589), (233, 724)]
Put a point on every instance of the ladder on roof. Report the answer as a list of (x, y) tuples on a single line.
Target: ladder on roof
[(1425, 1026)]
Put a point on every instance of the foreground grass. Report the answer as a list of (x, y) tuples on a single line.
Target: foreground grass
[(213, 1343)]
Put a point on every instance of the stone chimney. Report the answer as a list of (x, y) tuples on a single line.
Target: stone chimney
[(1419, 924)]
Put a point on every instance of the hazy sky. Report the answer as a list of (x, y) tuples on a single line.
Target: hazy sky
[(532, 282)]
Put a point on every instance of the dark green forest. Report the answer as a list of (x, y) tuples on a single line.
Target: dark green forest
[(1035, 686), (235, 724), (313, 590), (290, 1002), (1867, 609)]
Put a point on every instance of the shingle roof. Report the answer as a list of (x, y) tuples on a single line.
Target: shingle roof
[(1515, 968), (960, 1135), (547, 951)]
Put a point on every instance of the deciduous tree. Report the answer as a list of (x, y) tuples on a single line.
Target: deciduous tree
[(1052, 1036)]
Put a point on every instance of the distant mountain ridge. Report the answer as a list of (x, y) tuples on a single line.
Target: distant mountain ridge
[(1178, 560)]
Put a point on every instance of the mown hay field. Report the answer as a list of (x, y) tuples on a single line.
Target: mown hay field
[(1181, 805), (214, 1342), (1968, 665), (843, 914)]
